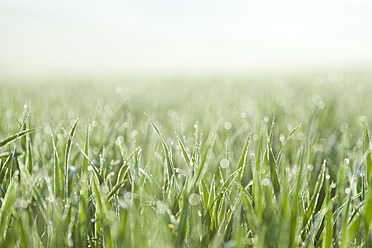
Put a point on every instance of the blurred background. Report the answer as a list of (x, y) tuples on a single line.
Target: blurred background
[(41, 39)]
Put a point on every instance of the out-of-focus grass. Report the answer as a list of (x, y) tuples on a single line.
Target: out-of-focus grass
[(216, 162)]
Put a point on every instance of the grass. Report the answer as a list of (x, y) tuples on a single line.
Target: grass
[(248, 163)]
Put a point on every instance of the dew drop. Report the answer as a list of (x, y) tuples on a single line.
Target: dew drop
[(227, 125), (347, 191), (224, 163), (194, 199), (347, 161), (265, 182)]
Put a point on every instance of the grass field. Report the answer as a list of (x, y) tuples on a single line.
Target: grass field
[(187, 162)]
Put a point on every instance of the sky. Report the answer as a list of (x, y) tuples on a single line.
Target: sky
[(109, 37)]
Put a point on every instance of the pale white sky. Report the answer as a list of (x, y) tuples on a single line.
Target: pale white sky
[(194, 36)]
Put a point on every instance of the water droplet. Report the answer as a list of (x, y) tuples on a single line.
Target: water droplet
[(281, 100), (171, 113), (199, 213), (194, 199), (328, 177), (265, 182), (118, 90), (243, 115), (347, 191), (363, 118), (224, 163), (333, 185), (119, 140), (227, 125), (100, 101), (281, 138), (266, 119), (196, 126), (347, 161), (25, 106), (300, 135)]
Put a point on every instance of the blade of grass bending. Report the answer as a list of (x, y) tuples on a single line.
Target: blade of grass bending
[(16, 136), (183, 149), (170, 169), (280, 154), (250, 199), (67, 157), (243, 158), (95, 170)]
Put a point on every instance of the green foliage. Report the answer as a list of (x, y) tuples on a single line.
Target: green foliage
[(206, 170)]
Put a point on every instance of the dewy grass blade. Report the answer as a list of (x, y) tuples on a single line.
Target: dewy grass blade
[(86, 151), (6, 206), (280, 154), (345, 215), (16, 136), (273, 170), (183, 149), (57, 172), (243, 158), (310, 211), (368, 152), (169, 163), (294, 214), (67, 157)]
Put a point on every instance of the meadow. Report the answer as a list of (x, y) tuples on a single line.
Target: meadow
[(261, 161)]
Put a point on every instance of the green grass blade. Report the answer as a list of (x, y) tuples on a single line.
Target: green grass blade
[(67, 157), (184, 153), (273, 171), (15, 136), (57, 172), (280, 154), (86, 151), (169, 163), (243, 158)]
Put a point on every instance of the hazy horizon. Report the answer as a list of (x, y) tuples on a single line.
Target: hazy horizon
[(42, 38)]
